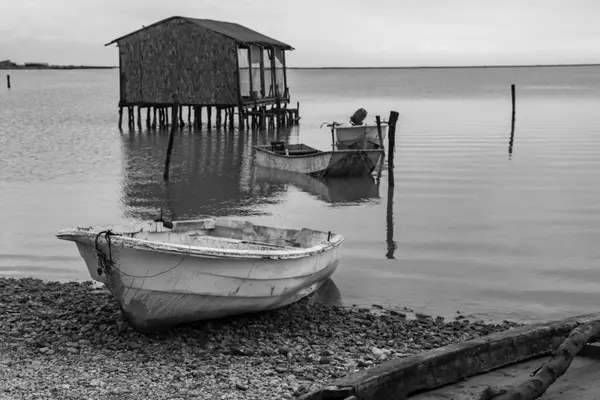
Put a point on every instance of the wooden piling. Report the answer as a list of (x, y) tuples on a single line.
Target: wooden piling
[(241, 118), (120, 117), (139, 117), (200, 116), (130, 121), (391, 145), (189, 115), (209, 116), (148, 118), (218, 117), (297, 111), (181, 122), (231, 117), (153, 117), (167, 116), (512, 127), (379, 133), (8, 81), (175, 110)]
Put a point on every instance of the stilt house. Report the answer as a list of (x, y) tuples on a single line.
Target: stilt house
[(204, 62)]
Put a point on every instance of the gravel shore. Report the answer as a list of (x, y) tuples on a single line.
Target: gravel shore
[(69, 341)]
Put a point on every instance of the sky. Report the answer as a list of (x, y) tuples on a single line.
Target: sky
[(324, 33)]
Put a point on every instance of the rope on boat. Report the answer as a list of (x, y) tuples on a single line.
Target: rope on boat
[(107, 263)]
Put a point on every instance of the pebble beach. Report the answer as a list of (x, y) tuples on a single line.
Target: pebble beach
[(70, 341)]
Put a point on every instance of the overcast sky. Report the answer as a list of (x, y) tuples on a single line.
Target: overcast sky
[(323, 32)]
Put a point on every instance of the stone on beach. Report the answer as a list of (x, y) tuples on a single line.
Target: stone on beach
[(69, 340)]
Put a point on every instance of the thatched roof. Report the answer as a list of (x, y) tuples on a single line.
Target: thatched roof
[(239, 33)]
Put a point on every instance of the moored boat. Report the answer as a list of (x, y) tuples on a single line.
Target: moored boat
[(308, 160), (171, 273)]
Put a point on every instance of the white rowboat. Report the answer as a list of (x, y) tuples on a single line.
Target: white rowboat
[(204, 269)]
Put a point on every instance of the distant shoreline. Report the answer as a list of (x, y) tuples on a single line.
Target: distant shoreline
[(459, 66), (20, 67), (70, 67)]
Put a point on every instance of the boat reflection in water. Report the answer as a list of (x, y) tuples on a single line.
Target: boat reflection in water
[(339, 190)]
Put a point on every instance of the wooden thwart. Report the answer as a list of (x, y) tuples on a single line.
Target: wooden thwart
[(397, 379)]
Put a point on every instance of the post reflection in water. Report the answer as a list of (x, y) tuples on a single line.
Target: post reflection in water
[(211, 173)]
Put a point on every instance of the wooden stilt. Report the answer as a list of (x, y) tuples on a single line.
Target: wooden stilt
[(148, 120), (231, 117), (8, 81), (130, 121), (167, 115), (200, 116), (120, 117), (241, 118), (209, 116), (218, 117), (154, 118), (189, 115), (139, 117), (181, 123)]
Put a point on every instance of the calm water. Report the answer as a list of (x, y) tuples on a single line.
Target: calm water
[(466, 227)]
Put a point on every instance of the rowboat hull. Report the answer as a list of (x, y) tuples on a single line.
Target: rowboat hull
[(158, 285), (342, 163), (359, 136)]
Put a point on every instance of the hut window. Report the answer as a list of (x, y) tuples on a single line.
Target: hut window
[(268, 74), (244, 72), (279, 71), (255, 56)]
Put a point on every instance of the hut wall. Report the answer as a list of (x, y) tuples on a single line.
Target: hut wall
[(175, 57)]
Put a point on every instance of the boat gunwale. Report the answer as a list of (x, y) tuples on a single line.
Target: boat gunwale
[(318, 153), (87, 235)]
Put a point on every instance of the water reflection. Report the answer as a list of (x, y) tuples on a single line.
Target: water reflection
[(211, 173), (342, 191)]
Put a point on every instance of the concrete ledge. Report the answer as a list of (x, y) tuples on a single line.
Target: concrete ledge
[(396, 379)]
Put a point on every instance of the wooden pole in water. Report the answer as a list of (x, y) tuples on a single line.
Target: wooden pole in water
[(512, 127), (8, 81), (391, 145), (175, 109), (209, 116), (139, 117), (379, 134)]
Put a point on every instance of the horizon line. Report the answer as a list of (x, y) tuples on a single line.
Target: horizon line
[(75, 66)]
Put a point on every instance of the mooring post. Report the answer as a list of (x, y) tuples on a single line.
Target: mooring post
[(512, 125), (379, 134), (391, 145), (8, 81), (175, 110)]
